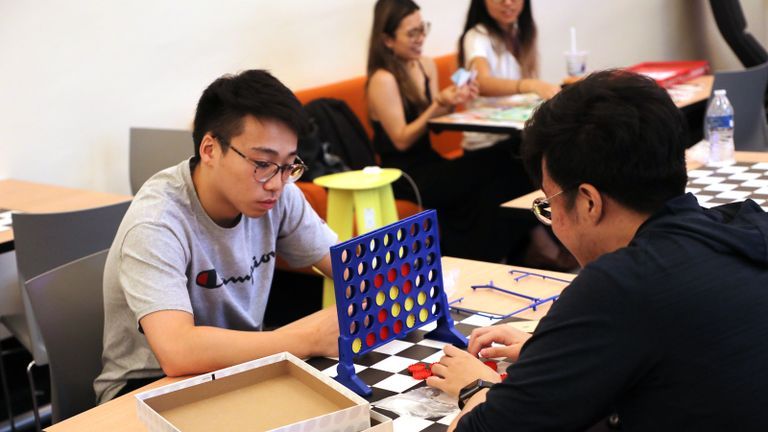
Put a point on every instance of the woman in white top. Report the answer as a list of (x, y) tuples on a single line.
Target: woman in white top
[(499, 42)]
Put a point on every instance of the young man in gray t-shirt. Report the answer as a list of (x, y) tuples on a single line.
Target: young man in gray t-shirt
[(188, 276)]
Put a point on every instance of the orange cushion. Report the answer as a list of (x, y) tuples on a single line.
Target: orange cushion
[(447, 143), (351, 91), (317, 197)]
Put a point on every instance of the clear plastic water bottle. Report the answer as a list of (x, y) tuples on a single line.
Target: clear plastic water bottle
[(718, 125)]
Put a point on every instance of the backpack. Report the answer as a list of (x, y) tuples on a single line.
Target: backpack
[(337, 136), (317, 155)]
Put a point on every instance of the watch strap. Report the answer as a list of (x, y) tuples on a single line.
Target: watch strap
[(471, 389)]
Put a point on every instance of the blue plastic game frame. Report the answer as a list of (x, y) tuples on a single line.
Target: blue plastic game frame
[(535, 301), (388, 283)]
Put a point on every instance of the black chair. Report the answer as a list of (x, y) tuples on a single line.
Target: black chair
[(68, 304), (152, 150), (745, 90), (44, 241)]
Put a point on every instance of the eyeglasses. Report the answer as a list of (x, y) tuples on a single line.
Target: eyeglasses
[(422, 30), (263, 171), (540, 208)]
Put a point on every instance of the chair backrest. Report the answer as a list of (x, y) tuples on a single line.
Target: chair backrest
[(152, 150), (44, 241), (68, 302), (745, 90)]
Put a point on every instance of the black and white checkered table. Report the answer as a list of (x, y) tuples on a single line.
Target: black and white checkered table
[(385, 369), (715, 186)]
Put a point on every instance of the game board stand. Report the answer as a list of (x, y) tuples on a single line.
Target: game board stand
[(389, 283)]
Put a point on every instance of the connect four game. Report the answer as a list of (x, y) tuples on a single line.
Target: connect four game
[(388, 283)]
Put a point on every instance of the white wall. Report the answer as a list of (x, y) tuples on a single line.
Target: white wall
[(712, 46), (75, 75)]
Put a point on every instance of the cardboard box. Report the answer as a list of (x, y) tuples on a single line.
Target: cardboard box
[(275, 393)]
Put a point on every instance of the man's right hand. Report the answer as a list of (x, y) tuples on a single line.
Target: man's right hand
[(320, 331), (481, 341)]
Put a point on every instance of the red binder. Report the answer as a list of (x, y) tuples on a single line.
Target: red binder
[(668, 74)]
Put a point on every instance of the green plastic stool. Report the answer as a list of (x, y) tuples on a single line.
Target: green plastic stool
[(365, 196)]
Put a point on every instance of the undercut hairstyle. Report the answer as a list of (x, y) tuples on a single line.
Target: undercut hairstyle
[(615, 130), (225, 103), (521, 42)]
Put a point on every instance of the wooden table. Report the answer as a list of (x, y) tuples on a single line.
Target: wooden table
[(36, 198), (42, 198), (119, 415), (524, 202), (685, 95)]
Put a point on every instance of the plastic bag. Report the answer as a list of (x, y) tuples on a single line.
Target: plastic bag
[(424, 402)]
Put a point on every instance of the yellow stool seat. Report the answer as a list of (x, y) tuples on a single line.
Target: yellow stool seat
[(364, 196)]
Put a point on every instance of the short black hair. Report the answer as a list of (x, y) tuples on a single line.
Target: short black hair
[(616, 130), (226, 102)]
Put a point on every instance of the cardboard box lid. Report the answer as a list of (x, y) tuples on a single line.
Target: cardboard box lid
[(275, 392)]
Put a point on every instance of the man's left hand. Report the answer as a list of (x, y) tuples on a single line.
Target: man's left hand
[(458, 368)]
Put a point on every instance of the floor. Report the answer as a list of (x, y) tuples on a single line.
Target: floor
[(15, 360)]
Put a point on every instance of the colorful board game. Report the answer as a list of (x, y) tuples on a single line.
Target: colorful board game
[(385, 368), (491, 114), (388, 283), (715, 186)]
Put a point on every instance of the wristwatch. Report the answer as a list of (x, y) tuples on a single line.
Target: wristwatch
[(468, 391)]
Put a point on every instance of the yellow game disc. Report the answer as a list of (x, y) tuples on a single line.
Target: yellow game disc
[(393, 292), (422, 298), (357, 344), (380, 297), (396, 309), (423, 315), (409, 303), (410, 321)]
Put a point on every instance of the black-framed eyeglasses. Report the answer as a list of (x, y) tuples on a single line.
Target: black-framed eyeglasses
[(422, 30), (263, 170), (541, 208)]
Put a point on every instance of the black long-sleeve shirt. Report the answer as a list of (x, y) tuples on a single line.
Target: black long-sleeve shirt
[(671, 332)]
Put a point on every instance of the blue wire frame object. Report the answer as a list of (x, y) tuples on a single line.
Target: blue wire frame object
[(535, 301)]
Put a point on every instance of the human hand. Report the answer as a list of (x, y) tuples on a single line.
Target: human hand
[(481, 341), (474, 88), (320, 330), (456, 369), (544, 89), (452, 96)]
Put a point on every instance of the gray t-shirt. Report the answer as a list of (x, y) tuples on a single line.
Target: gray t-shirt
[(169, 255)]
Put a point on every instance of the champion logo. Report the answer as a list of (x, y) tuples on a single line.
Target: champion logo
[(210, 279)]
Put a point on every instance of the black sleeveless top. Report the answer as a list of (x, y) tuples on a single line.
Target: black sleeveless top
[(419, 154)]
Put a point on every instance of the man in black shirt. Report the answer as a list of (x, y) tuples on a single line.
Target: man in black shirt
[(667, 322)]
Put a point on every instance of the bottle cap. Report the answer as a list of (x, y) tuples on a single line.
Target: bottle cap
[(720, 92)]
